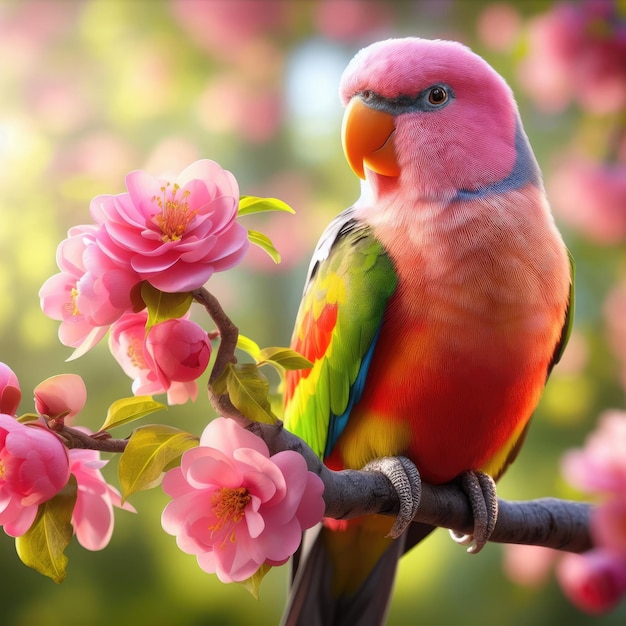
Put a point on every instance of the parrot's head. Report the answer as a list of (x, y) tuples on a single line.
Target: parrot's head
[(430, 116)]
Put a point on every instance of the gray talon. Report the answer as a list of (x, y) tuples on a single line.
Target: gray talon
[(480, 488), (406, 480)]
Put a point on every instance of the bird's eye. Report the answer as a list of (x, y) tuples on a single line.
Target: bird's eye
[(437, 95), (367, 94)]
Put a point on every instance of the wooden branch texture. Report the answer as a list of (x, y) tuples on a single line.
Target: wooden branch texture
[(549, 522)]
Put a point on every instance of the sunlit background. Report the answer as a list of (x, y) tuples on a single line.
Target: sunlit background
[(92, 89)]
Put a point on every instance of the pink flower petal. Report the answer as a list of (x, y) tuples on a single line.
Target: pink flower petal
[(64, 394)]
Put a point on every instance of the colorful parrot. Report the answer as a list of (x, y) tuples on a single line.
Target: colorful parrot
[(434, 308)]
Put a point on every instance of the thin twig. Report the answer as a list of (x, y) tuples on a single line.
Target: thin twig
[(229, 333), (74, 438)]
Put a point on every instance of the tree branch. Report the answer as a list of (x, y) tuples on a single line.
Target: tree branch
[(548, 522), (102, 441), (229, 333)]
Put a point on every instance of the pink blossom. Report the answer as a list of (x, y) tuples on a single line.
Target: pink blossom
[(10, 393), (92, 517), (174, 235), (528, 565), (235, 507), (225, 28), (59, 293), (61, 396), (591, 197), (348, 20), (608, 525), (499, 26), (178, 350), (594, 581), (89, 293), (577, 51), (601, 465), (34, 467), (127, 343)]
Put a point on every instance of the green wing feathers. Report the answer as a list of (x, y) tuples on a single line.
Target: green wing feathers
[(350, 281)]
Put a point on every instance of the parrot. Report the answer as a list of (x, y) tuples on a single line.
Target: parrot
[(434, 308)]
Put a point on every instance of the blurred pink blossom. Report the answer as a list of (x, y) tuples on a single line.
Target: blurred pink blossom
[(222, 28), (594, 581), (576, 52), (591, 197), (528, 565), (235, 507), (499, 26), (127, 342), (92, 517), (10, 393), (350, 20), (615, 315), (600, 466), (239, 107), (174, 235), (34, 467), (60, 397)]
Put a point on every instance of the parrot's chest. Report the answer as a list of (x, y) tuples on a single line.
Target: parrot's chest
[(457, 371)]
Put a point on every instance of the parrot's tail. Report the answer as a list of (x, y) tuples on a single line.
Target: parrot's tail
[(346, 577)]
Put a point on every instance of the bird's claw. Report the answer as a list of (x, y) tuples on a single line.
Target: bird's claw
[(405, 478), (480, 488)]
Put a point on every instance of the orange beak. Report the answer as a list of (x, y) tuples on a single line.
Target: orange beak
[(368, 140)]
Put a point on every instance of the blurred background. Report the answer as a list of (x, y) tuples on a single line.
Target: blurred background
[(92, 89)]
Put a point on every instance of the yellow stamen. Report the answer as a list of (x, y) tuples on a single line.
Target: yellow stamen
[(75, 310), (229, 505), (134, 352), (175, 214)]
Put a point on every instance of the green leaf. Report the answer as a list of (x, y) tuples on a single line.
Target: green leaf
[(253, 583), (149, 452), (220, 384), (249, 346), (249, 390), (265, 243), (163, 306), (28, 417), (42, 546), (126, 410), (284, 357), (251, 204)]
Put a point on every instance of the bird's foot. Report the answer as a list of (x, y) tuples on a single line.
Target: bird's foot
[(405, 478), (480, 488)]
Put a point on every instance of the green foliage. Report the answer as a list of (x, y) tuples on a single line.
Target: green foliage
[(42, 547), (251, 204), (163, 306), (151, 450), (248, 390), (126, 410), (265, 243), (285, 358), (280, 358), (253, 583)]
